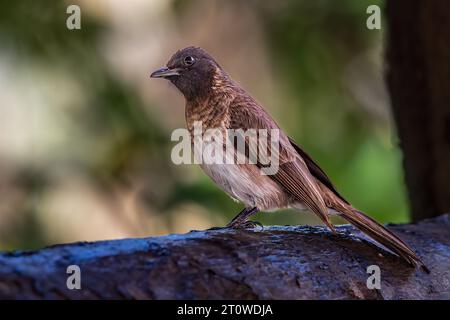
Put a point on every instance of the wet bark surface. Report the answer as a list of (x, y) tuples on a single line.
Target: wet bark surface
[(277, 262)]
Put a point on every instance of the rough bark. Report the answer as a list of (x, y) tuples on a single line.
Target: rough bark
[(418, 77), (274, 263)]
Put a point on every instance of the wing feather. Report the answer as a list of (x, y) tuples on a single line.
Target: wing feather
[(293, 175), (316, 171)]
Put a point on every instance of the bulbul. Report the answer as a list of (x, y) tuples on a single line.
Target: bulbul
[(213, 98)]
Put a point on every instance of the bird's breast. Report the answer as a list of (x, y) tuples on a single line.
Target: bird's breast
[(244, 182), (210, 114)]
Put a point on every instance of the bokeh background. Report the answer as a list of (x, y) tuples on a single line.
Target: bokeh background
[(85, 133)]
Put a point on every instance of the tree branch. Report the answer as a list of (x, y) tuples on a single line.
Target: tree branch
[(275, 263)]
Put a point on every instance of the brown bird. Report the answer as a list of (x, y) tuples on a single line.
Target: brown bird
[(213, 98)]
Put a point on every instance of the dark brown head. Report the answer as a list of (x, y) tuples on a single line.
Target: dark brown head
[(191, 70)]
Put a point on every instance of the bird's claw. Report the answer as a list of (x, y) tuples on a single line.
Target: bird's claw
[(246, 225), (239, 225), (215, 228)]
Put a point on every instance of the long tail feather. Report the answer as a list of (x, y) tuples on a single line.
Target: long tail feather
[(383, 236)]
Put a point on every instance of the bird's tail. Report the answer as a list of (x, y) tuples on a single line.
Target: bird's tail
[(383, 236)]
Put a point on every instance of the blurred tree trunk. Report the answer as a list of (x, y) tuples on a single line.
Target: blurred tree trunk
[(418, 77)]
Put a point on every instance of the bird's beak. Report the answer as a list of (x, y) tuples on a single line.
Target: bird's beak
[(165, 72)]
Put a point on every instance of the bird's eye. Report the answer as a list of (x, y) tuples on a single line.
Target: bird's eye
[(189, 61)]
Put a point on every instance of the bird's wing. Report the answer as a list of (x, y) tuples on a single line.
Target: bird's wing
[(316, 171), (293, 174)]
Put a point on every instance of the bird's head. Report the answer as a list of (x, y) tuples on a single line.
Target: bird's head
[(191, 70)]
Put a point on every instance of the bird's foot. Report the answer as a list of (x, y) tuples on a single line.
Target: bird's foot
[(242, 225), (241, 222), (215, 228), (245, 225)]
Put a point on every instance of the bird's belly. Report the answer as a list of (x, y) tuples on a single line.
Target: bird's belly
[(245, 183)]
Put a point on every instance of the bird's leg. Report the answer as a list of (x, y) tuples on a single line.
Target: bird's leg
[(241, 220)]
